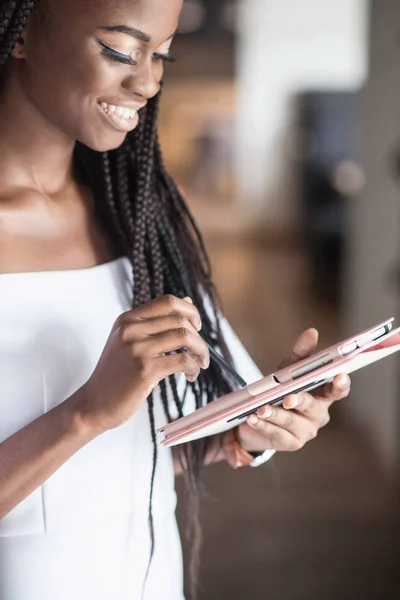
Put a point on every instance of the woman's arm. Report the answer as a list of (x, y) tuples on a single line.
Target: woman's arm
[(33, 454), (134, 360)]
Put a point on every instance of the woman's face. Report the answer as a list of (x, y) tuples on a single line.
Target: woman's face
[(94, 64)]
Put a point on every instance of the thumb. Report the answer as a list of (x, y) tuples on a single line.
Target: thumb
[(304, 346)]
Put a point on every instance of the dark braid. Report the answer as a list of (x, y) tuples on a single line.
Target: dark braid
[(183, 211), (13, 18), (149, 222), (145, 175), (122, 178), (109, 197), (7, 43)]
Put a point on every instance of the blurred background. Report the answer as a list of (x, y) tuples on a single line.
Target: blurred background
[(281, 123)]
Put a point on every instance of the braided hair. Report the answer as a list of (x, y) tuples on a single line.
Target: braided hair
[(149, 222)]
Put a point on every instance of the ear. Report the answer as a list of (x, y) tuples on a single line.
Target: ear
[(20, 47)]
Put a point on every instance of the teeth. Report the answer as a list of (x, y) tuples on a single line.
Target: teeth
[(120, 111)]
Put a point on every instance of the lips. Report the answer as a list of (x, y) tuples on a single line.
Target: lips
[(120, 117)]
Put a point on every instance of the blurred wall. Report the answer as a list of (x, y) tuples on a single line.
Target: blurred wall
[(285, 47), (374, 235)]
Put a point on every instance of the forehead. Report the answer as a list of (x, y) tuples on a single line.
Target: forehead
[(157, 18)]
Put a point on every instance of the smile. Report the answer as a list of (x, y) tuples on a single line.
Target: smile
[(120, 111), (120, 117)]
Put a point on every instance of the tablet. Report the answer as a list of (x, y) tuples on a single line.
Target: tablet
[(232, 409)]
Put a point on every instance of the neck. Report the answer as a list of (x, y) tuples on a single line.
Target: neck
[(34, 152)]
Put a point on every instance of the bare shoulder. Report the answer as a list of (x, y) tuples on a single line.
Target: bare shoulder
[(17, 206), (42, 233), (18, 218), (14, 199)]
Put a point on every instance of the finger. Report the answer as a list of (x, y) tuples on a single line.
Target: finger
[(337, 390), (150, 327), (314, 410), (303, 403), (164, 306), (292, 421), (276, 438), (177, 363), (304, 346), (173, 340)]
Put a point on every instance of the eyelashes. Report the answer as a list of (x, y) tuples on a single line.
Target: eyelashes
[(126, 59), (164, 57)]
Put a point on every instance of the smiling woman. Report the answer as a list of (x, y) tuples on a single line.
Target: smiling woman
[(104, 280)]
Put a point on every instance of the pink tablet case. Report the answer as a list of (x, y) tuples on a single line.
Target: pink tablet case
[(234, 408)]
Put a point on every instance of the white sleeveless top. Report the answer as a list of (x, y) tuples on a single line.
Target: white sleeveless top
[(83, 535)]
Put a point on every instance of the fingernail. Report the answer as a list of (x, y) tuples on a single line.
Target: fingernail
[(265, 413), (292, 402), (253, 419), (343, 381), (187, 299), (199, 326)]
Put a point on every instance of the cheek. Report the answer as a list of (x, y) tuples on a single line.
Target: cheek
[(65, 88)]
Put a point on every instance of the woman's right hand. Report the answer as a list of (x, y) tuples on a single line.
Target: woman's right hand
[(134, 360)]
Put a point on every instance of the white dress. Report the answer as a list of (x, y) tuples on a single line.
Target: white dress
[(83, 535)]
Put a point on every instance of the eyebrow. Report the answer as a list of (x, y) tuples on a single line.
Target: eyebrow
[(132, 32)]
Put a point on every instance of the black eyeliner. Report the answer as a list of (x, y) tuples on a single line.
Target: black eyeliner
[(125, 59), (164, 57)]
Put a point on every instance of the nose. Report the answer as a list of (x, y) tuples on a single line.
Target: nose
[(144, 80)]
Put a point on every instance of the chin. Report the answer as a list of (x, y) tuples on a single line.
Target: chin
[(104, 143), (105, 134), (107, 146)]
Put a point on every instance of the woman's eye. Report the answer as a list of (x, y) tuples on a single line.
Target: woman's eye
[(125, 59), (164, 57)]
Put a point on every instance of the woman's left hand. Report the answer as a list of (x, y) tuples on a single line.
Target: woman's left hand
[(289, 428)]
